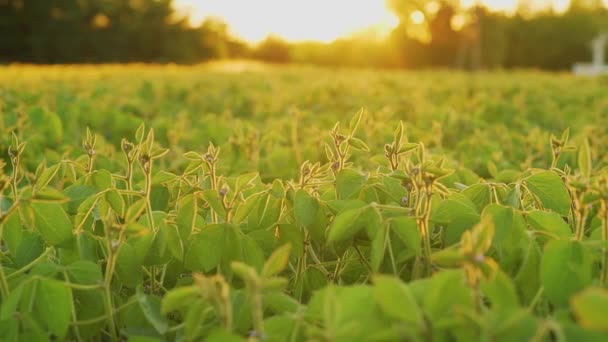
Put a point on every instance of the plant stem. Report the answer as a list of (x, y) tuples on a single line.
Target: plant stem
[(258, 312), (129, 179), (4, 289), (31, 264), (604, 275), (111, 264), (580, 224), (110, 311), (423, 222)]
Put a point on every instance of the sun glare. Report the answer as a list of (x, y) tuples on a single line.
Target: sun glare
[(320, 20), (417, 17), (294, 20)]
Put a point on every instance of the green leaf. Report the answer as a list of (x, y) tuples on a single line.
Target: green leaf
[(501, 292), (566, 268), (186, 215), (116, 202), (206, 248), (246, 207), (46, 176), (10, 304), (346, 225), (150, 306), (407, 231), (549, 222), (480, 194), (291, 234), (102, 179), (305, 208), (84, 272), (378, 249), (396, 300), (175, 244), (85, 210), (279, 328), (30, 247), (502, 217), (220, 335), (584, 159), (78, 194), (458, 214), (53, 306), (192, 321), (53, 223), (13, 232), (135, 210), (591, 309), (212, 197), (358, 144), (446, 293), (349, 183), (550, 190), (128, 267), (279, 303), (277, 261)]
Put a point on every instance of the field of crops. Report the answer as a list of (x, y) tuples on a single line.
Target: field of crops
[(246, 202)]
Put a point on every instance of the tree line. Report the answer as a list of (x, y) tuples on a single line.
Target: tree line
[(98, 31)]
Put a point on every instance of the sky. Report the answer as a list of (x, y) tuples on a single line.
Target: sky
[(315, 20)]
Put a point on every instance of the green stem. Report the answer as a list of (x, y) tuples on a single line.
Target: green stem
[(31, 264), (4, 289), (129, 180), (14, 178), (111, 264), (214, 218), (258, 312), (604, 275), (102, 318), (363, 260), (580, 225), (110, 312), (73, 308), (426, 234)]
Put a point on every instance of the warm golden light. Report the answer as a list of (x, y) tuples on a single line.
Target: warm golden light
[(417, 17), (295, 20), (322, 20)]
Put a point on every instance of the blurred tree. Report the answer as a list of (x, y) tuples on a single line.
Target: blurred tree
[(60, 31), (272, 49)]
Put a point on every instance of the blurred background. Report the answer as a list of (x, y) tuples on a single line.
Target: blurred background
[(465, 34)]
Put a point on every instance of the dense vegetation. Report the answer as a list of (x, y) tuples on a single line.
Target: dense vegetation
[(204, 203)]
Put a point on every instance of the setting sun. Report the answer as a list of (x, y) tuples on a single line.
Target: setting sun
[(294, 20), (317, 20)]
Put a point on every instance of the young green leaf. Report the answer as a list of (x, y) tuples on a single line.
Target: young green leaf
[(150, 306), (53, 306), (346, 225), (53, 223), (305, 208), (550, 190), (567, 267), (584, 159), (407, 231), (349, 182), (212, 197), (396, 300)]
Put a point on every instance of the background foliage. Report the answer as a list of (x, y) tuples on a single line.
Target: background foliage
[(77, 31)]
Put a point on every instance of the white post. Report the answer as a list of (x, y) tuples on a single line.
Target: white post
[(599, 48)]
